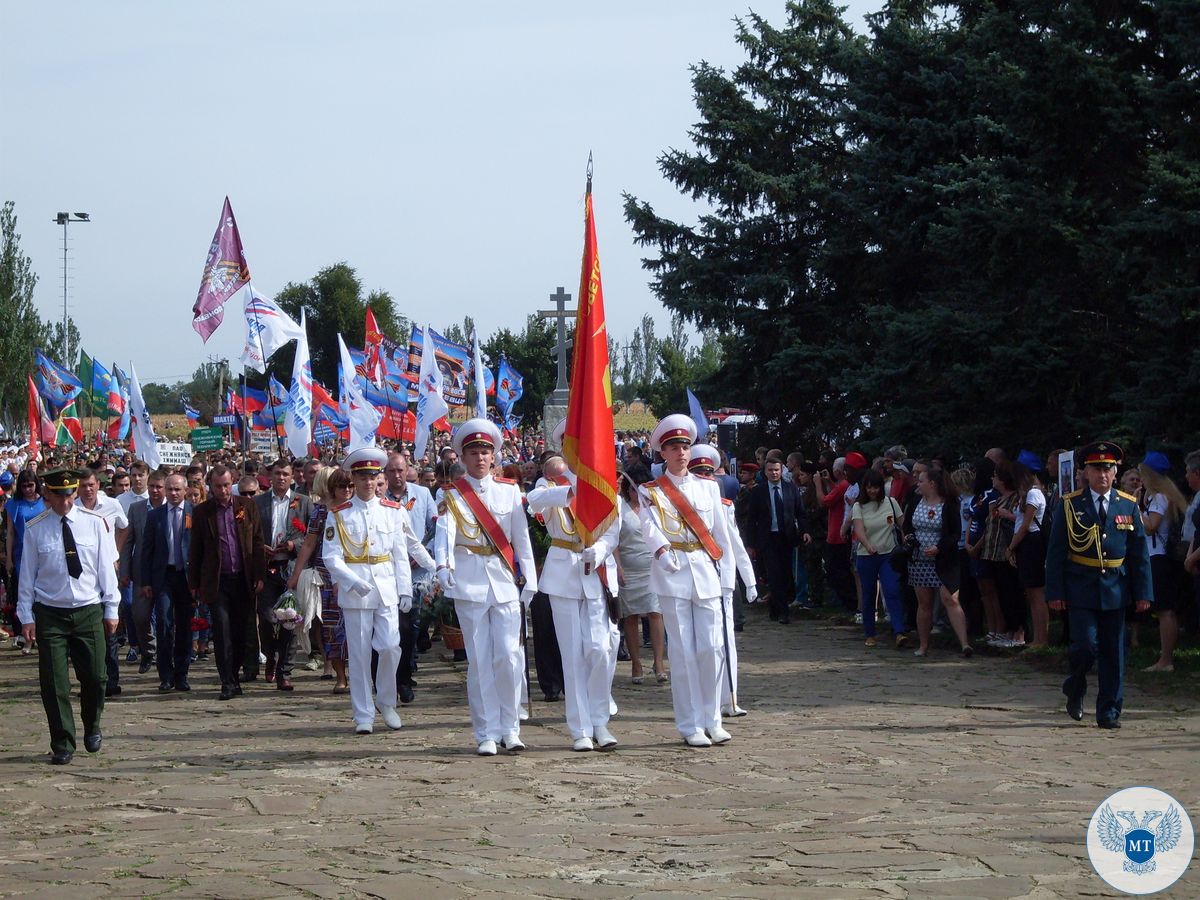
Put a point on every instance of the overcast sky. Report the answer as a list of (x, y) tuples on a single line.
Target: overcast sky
[(440, 150)]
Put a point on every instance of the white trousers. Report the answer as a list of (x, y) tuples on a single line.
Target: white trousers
[(730, 671), (495, 666), (697, 654), (587, 642), (366, 630)]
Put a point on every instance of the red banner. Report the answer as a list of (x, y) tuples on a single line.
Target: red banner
[(587, 441)]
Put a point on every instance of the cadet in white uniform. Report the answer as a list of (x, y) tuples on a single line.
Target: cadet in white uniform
[(67, 600), (687, 580), (368, 543), (474, 573), (587, 635), (704, 462)]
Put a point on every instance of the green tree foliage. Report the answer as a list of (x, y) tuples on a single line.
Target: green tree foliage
[(975, 225), (532, 353), (163, 399), (334, 303), (21, 329)]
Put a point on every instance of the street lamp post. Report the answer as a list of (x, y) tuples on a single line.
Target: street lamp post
[(62, 219)]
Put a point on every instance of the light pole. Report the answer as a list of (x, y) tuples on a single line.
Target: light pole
[(62, 219)]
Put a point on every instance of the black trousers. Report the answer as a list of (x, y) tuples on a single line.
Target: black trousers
[(176, 658), (546, 655), (276, 642), (777, 567), (230, 609), (841, 578)]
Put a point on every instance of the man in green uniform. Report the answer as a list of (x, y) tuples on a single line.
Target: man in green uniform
[(1096, 564), (68, 599)]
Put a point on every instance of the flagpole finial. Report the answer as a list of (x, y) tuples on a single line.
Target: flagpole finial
[(589, 172)]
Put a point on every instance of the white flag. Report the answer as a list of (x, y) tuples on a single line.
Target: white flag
[(267, 329), (364, 418), (299, 417), (143, 430), (430, 405), (480, 381)]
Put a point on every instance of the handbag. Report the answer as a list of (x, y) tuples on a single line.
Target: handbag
[(901, 553)]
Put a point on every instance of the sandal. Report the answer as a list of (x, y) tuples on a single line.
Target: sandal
[(663, 677), (638, 679), (341, 689)]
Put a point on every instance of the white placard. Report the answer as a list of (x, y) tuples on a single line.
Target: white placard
[(175, 454)]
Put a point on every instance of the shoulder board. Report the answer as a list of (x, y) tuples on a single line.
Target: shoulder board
[(704, 477), (1072, 495), (38, 517), (390, 504), (345, 505), (727, 502), (1127, 496), (499, 480)]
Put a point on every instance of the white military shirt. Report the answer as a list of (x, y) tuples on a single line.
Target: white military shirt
[(44, 577), (383, 530)]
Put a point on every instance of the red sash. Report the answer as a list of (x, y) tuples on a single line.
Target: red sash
[(689, 515), (487, 522)]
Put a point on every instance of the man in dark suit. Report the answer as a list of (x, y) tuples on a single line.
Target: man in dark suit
[(164, 560), (148, 614), (283, 518), (777, 523), (225, 569)]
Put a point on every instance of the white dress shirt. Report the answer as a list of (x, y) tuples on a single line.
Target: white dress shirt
[(44, 577)]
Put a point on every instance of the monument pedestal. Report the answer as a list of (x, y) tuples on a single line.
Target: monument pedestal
[(553, 412)]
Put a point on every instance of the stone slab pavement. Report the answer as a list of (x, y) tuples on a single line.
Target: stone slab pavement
[(858, 773)]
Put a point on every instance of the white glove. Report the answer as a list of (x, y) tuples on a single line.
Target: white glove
[(751, 593), (668, 562), (405, 603), (527, 595), (362, 588), (591, 556), (445, 578)]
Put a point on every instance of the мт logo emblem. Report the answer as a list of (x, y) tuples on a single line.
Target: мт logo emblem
[(1135, 839)]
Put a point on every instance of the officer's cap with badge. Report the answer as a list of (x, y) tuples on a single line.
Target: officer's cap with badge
[(704, 459), (1101, 453), (61, 481), (367, 460), (476, 433), (674, 429)]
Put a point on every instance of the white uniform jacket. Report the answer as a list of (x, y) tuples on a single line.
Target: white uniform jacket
[(562, 573), (367, 543), (698, 576), (740, 563), (461, 545)]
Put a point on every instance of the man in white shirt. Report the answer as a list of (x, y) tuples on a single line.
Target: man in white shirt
[(422, 513), (68, 603)]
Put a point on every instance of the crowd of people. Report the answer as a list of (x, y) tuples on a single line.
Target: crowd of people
[(365, 548)]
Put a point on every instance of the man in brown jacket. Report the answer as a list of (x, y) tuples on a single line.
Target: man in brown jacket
[(226, 565)]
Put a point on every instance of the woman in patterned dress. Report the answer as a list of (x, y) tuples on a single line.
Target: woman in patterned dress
[(331, 486), (935, 522)]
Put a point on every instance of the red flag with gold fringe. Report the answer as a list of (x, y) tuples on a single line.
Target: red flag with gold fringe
[(588, 439)]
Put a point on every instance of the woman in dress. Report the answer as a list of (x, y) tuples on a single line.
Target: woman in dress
[(936, 525), (26, 503), (635, 597), (331, 487)]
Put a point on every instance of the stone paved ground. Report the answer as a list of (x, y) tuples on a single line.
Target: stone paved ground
[(858, 774)]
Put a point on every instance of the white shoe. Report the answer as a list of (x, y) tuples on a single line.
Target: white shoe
[(262, 659), (363, 727), (582, 745), (523, 714), (604, 738), (390, 717), (486, 748), (719, 735), (612, 707), (732, 712), (512, 743), (699, 739)]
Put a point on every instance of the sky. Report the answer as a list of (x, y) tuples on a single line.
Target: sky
[(439, 149)]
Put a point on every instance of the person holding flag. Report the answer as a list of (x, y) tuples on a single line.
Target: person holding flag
[(485, 564), (687, 530)]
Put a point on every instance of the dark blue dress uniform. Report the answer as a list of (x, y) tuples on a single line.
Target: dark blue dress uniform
[(1098, 566)]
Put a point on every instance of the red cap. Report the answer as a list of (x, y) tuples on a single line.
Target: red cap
[(856, 460)]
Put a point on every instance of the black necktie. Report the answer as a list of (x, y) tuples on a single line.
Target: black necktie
[(1100, 506), (778, 507), (74, 566)]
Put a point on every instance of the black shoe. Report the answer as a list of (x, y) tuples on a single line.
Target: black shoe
[(113, 690), (250, 676), (226, 692), (552, 696), (165, 686), (147, 664), (181, 684), (1109, 723), (237, 690), (92, 742), (62, 757), (784, 620), (423, 642), (405, 692), (622, 654), (1075, 708)]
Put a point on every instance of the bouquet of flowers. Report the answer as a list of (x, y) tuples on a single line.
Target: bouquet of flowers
[(285, 613)]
